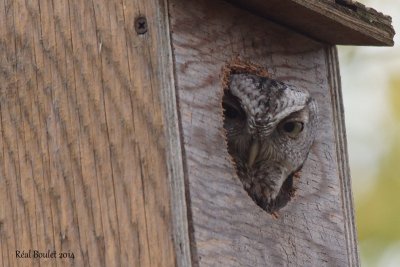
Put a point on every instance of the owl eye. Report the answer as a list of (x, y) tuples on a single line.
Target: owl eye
[(231, 112), (292, 128)]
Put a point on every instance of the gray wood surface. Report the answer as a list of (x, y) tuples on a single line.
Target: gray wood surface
[(344, 171), (89, 141), (316, 228), (330, 21)]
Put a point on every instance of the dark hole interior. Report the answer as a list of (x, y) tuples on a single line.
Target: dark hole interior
[(230, 112), (285, 194)]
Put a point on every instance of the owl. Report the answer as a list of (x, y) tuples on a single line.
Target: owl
[(270, 127)]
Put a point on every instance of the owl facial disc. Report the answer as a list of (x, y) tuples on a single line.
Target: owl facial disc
[(270, 127)]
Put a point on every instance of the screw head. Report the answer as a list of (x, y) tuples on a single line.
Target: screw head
[(141, 25)]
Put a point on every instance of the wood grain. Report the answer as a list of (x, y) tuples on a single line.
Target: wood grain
[(329, 21), (316, 228), (344, 170), (85, 146)]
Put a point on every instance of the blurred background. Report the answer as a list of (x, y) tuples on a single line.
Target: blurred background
[(371, 92)]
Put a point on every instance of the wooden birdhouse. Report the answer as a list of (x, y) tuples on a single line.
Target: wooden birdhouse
[(114, 151)]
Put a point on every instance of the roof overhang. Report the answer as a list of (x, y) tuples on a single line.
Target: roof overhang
[(342, 22)]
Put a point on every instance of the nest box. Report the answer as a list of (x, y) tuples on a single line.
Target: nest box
[(112, 138)]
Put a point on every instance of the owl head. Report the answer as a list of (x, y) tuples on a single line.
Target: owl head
[(270, 127)]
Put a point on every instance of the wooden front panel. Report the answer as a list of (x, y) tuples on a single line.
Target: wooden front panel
[(228, 228), (83, 165)]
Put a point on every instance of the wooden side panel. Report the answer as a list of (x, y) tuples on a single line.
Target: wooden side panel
[(83, 141), (228, 228)]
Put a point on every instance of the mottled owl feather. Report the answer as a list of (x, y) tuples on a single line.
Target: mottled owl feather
[(270, 128)]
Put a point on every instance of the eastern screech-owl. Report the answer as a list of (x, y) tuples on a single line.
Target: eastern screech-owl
[(270, 127)]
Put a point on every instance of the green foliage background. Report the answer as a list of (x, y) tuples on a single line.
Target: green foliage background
[(371, 88)]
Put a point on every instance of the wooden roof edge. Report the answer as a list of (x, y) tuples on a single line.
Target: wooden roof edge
[(342, 22)]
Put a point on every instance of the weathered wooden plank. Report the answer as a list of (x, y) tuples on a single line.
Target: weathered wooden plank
[(330, 21), (89, 149), (229, 229), (344, 170)]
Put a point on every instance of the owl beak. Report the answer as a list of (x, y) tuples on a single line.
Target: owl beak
[(253, 152)]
